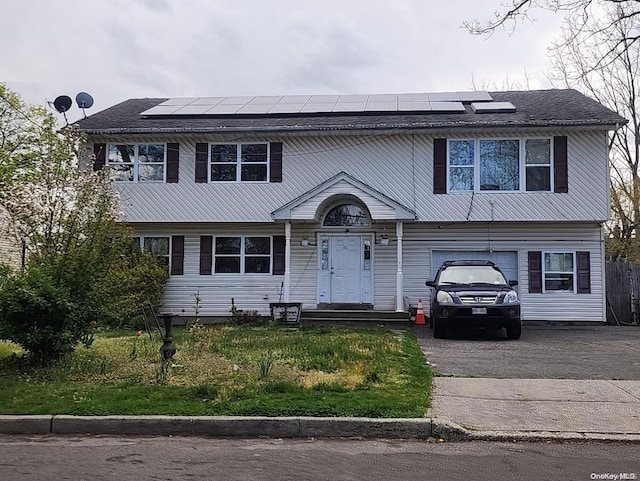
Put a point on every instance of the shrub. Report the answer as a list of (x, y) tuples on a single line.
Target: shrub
[(40, 314)]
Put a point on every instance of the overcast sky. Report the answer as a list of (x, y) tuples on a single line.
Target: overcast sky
[(118, 49)]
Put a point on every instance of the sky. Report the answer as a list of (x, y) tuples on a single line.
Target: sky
[(120, 49)]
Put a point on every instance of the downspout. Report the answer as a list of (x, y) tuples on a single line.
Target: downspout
[(399, 275), (287, 261)]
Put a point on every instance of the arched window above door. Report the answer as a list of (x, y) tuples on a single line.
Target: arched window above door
[(347, 215)]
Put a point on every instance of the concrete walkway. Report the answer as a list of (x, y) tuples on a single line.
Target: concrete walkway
[(534, 408)]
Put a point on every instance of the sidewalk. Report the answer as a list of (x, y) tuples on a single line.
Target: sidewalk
[(489, 408)]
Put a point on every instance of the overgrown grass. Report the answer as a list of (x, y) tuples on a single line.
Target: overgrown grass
[(228, 370)]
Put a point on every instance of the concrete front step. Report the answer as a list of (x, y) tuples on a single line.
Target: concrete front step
[(311, 316)]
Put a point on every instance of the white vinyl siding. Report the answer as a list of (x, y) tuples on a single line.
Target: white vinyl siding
[(420, 243), (398, 166)]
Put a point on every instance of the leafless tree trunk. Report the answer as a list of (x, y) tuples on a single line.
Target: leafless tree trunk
[(604, 63), (598, 54)]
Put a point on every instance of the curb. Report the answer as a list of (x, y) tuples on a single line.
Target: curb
[(283, 427), (223, 426)]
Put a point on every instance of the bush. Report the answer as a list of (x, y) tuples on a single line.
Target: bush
[(53, 304), (40, 315)]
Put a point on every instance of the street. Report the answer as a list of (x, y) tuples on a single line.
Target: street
[(131, 458)]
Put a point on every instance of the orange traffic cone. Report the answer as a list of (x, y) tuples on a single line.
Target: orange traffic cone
[(420, 313)]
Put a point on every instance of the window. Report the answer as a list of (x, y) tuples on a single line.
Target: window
[(242, 255), (559, 271), (239, 162), (158, 245), (499, 165), (538, 164), (136, 162), (347, 215)]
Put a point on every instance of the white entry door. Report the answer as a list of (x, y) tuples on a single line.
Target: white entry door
[(346, 269)]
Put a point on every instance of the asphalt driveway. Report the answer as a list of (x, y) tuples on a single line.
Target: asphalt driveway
[(543, 352)]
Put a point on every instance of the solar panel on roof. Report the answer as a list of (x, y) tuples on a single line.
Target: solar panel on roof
[(447, 107), (418, 105), (207, 101), (475, 96), (181, 101), (493, 107), (192, 110), (355, 103), (161, 110), (444, 96), (295, 99)]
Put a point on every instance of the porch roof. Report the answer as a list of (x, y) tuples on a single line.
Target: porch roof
[(310, 205)]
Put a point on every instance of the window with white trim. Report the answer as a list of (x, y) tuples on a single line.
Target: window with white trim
[(137, 162), (559, 271), (242, 255), (511, 165), (239, 162), (159, 245)]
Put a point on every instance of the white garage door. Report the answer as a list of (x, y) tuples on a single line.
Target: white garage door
[(507, 261)]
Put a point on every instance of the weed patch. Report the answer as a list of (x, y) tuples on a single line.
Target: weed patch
[(227, 370)]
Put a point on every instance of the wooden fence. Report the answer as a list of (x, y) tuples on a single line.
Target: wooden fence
[(623, 293)]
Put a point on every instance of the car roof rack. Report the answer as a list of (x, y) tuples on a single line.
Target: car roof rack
[(468, 263)]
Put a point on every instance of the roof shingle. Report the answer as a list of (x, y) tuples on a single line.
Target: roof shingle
[(535, 108)]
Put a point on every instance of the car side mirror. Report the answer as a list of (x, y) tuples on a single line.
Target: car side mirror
[(430, 283), (513, 283)]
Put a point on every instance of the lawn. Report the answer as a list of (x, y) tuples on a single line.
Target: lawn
[(228, 370)]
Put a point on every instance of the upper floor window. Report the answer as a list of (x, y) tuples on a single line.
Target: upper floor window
[(239, 162), (137, 162), (499, 165)]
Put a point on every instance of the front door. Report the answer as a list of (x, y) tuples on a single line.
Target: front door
[(345, 274), (346, 269)]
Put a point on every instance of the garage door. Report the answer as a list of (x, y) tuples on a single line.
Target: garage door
[(506, 260)]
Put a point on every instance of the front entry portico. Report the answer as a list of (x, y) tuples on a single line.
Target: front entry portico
[(345, 212)]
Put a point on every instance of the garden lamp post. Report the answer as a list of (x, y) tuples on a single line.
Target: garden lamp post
[(167, 350)]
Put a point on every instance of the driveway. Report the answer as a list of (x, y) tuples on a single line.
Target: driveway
[(543, 352)]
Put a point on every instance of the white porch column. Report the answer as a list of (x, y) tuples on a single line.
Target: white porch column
[(287, 261), (399, 276)]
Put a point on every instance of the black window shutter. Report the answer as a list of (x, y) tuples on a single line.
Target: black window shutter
[(177, 255), (206, 254), (583, 262), (439, 166), (202, 159), (173, 162), (100, 151), (535, 272), (275, 162), (279, 244), (560, 168)]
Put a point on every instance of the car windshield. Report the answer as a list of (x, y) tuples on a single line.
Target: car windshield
[(471, 275)]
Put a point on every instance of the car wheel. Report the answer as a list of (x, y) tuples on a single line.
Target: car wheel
[(438, 329), (514, 329)]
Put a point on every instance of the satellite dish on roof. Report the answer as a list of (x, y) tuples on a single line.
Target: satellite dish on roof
[(62, 103), (84, 100)]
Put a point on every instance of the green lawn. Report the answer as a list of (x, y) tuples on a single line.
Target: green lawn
[(228, 370)]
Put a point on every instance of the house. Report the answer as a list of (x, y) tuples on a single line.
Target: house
[(10, 252), (353, 201)]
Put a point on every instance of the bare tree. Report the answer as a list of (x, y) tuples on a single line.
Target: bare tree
[(598, 53), (602, 59)]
